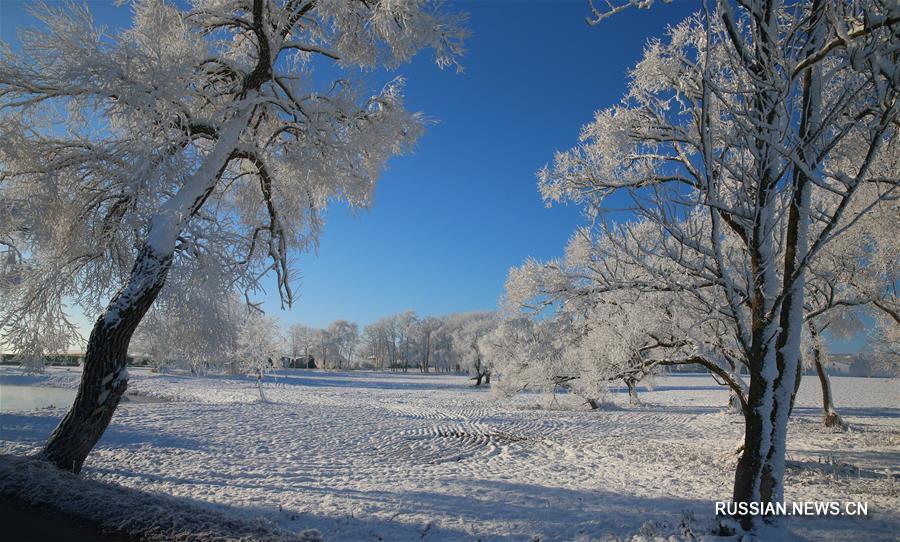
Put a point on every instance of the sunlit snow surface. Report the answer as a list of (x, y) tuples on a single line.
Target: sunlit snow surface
[(370, 456)]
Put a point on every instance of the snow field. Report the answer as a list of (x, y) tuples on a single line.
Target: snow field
[(369, 456)]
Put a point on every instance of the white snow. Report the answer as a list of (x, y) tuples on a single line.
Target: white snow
[(381, 456)]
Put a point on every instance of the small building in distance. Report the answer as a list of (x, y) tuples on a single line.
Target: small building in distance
[(302, 362)]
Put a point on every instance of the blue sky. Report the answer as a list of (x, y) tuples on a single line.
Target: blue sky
[(450, 219)]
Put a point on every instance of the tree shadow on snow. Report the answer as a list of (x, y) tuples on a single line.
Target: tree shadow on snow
[(861, 412), (350, 379), (661, 388), (145, 516), (157, 517), (563, 512), (568, 514), (512, 511), (365, 380), (36, 428), (517, 511)]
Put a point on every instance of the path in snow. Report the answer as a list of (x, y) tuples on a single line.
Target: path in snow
[(369, 456)]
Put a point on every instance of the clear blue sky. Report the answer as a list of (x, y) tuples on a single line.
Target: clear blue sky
[(450, 219)]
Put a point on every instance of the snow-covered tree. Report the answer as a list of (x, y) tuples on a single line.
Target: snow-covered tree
[(405, 340), (611, 332), (198, 131), (301, 341), (525, 354), (855, 275), (340, 339), (885, 338), (641, 325), (190, 334), (41, 331), (428, 340), (194, 322), (441, 343), (380, 339), (391, 340), (746, 138), (466, 333), (259, 345), (406, 326)]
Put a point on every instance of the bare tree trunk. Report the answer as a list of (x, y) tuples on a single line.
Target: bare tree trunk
[(752, 474), (105, 379), (259, 377), (482, 375), (831, 417), (760, 469), (759, 476), (799, 377), (755, 478), (632, 392)]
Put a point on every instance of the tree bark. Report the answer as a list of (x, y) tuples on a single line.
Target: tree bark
[(751, 473), (633, 398), (481, 375), (830, 417), (774, 368), (105, 379), (734, 403)]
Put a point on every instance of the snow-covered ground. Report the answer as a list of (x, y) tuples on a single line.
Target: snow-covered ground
[(380, 456)]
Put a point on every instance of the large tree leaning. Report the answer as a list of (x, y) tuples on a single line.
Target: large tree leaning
[(215, 151), (104, 379)]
